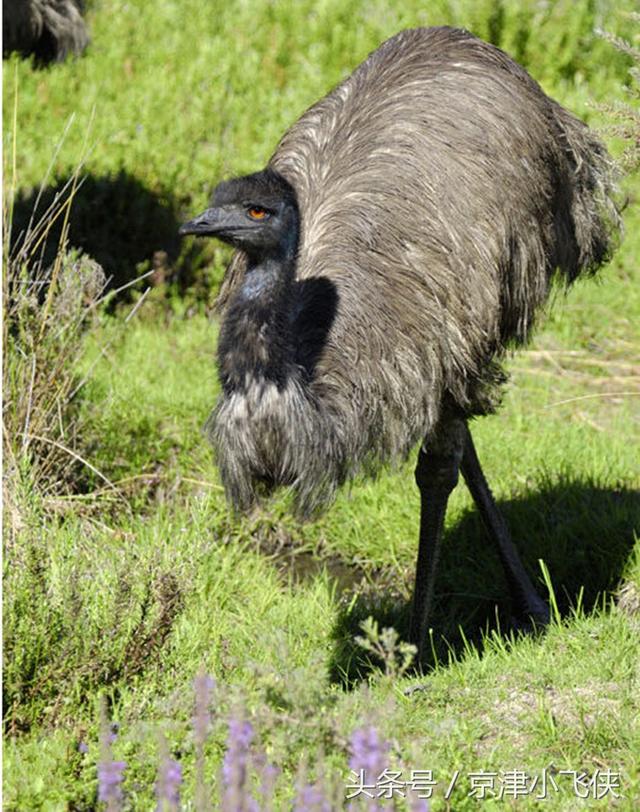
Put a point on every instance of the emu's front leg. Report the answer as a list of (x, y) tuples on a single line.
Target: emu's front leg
[(436, 476)]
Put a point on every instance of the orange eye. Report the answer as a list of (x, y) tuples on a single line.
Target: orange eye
[(257, 213)]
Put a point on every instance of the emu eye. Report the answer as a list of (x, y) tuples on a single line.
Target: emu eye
[(257, 213)]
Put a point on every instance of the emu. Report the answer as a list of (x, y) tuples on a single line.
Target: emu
[(48, 29), (404, 235)]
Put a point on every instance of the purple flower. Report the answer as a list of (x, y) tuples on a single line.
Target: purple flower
[(168, 785), (235, 768), (83, 747), (203, 686), (109, 771), (268, 775), (368, 753), (369, 758), (109, 782), (311, 798)]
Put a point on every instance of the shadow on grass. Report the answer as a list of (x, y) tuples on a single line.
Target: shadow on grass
[(583, 532), (118, 221)]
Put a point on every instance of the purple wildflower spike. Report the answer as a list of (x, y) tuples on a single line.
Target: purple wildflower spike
[(369, 758), (109, 783), (236, 797), (311, 798), (268, 775), (168, 785), (109, 771), (203, 686), (368, 752)]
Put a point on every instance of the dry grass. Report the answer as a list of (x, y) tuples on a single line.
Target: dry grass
[(49, 308), (625, 114)]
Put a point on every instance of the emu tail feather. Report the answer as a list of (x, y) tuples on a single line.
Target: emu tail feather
[(593, 207)]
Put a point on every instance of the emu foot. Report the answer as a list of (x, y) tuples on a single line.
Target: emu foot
[(531, 618)]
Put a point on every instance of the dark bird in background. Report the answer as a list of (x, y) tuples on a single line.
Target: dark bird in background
[(48, 29), (404, 234)]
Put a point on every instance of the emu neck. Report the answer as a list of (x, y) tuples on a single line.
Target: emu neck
[(255, 341)]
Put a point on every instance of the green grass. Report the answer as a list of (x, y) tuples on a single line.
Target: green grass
[(130, 583)]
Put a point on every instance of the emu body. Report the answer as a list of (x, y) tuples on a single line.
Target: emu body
[(413, 222)]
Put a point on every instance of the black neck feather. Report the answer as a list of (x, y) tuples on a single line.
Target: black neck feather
[(255, 337)]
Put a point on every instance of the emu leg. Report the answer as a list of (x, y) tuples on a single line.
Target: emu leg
[(436, 476), (527, 604)]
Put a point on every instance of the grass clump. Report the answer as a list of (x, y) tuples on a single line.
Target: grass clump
[(48, 311)]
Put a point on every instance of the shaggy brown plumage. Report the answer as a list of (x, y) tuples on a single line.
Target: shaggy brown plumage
[(48, 29), (439, 192)]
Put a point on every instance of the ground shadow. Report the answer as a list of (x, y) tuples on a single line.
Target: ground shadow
[(115, 219), (583, 532)]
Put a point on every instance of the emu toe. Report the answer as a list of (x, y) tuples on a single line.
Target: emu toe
[(534, 619)]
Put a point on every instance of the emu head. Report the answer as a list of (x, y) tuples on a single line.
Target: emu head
[(257, 213)]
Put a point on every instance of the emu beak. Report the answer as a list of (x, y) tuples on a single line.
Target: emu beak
[(209, 222)]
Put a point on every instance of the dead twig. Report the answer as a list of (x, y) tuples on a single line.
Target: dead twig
[(78, 457)]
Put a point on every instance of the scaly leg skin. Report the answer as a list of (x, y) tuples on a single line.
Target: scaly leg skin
[(436, 475), (528, 607)]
